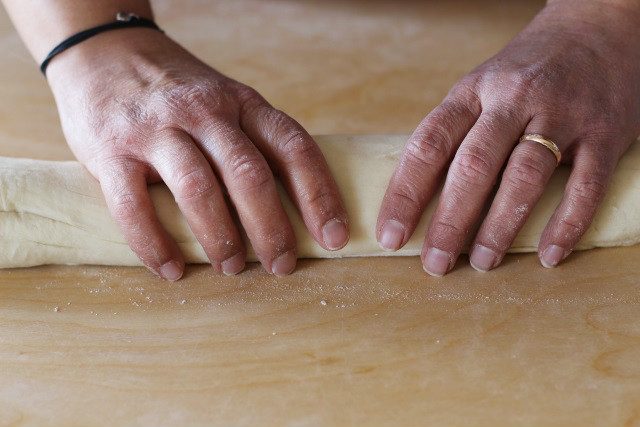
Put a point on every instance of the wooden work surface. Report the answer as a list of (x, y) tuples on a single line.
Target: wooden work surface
[(340, 342)]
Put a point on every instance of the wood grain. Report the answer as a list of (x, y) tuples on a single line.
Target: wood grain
[(340, 342)]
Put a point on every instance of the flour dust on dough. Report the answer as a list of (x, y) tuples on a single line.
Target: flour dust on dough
[(54, 212)]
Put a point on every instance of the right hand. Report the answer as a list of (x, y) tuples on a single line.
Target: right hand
[(136, 108)]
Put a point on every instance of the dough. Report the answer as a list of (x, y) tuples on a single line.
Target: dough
[(54, 213)]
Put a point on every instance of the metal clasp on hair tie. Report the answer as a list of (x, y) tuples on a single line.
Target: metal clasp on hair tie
[(126, 16)]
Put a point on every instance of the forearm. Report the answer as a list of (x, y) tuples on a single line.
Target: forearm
[(45, 23)]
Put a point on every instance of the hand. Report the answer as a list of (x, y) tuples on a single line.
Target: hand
[(136, 108), (573, 75)]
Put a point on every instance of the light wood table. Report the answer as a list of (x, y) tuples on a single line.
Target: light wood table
[(340, 342)]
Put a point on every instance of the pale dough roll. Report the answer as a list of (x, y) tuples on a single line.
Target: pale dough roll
[(54, 212)]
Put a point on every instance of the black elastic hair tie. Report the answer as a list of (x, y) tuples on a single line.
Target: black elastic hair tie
[(123, 20)]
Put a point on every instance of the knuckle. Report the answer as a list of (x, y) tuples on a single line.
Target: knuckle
[(472, 165), (292, 142), (119, 147), (572, 227), (499, 120), (514, 83), (220, 128), (430, 145), (114, 173), (320, 198), (249, 96), (251, 102), (464, 95), (402, 205), (448, 228), (588, 192), (116, 165), (526, 174), (295, 145), (125, 206), (406, 198), (249, 172), (194, 184), (196, 101), (192, 99)]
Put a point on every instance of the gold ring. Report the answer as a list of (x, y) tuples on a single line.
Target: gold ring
[(544, 141)]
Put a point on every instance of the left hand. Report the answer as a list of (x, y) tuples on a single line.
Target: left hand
[(573, 75)]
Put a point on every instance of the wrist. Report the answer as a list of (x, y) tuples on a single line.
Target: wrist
[(104, 54), (44, 24)]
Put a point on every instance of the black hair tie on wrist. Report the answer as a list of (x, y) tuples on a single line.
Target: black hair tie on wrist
[(123, 20)]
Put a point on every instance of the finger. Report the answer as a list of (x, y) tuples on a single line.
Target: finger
[(425, 157), (190, 178), (583, 193), (469, 182), (124, 185), (252, 190), (303, 170), (523, 182)]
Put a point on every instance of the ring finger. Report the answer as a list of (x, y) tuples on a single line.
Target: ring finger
[(523, 182)]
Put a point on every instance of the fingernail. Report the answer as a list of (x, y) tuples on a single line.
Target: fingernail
[(171, 271), (284, 264), (482, 258), (233, 265), (436, 262), (334, 234), (552, 256), (392, 235)]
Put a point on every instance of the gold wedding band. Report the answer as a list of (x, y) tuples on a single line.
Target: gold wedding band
[(534, 137)]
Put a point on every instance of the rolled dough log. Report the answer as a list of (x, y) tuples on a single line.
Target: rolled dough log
[(54, 212)]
